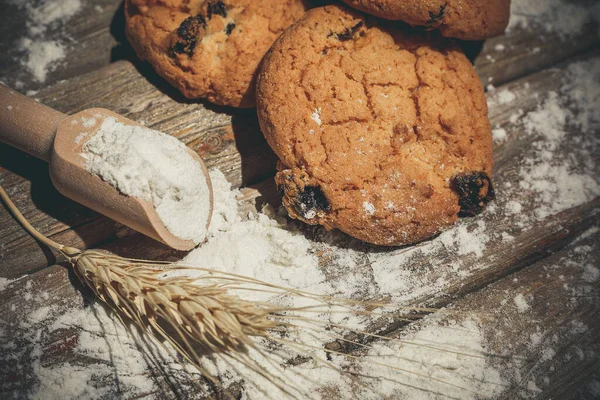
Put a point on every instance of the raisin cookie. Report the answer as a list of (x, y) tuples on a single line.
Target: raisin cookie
[(462, 19), (381, 132), (209, 49)]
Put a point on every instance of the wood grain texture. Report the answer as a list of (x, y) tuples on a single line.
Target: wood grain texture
[(541, 258), (227, 139), (230, 141), (556, 340), (92, 38), (95, 37)]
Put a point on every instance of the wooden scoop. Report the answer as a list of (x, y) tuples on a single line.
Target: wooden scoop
[(57, 139)]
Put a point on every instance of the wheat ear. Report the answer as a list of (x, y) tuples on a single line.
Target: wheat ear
[(194, 319)]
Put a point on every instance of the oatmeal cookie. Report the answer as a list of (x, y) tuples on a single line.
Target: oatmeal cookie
[(382, 133), (462, 19), (209, 48)]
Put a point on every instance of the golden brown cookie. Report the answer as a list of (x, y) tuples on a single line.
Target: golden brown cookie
[(209, 48), (462, 19), (381, 133)]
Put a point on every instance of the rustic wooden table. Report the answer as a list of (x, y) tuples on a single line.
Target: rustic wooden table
[(547, 258)]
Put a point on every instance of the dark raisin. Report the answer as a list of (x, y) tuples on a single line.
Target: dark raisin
[(189, 28), (216, 8), (348, 34), (474, 191), (188, 33), (178, 48), (312, 199), (229, 28), (435, 18)]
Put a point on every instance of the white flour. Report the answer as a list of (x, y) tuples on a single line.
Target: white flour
[(560, 176), (41, 54), (562, 17), (269, 247), (155, 167)]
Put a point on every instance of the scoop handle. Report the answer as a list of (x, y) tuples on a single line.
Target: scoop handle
[(26, 124)]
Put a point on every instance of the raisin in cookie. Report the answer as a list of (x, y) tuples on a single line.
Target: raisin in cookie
[(381, 133), (462, 19), (209, 49)]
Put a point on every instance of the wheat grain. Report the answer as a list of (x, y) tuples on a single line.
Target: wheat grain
[(205, 313)]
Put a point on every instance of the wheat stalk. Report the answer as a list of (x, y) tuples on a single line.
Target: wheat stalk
[(197, 316), (205, 313)]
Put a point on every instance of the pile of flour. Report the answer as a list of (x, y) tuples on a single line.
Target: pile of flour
[(155, 167), (268, 247)]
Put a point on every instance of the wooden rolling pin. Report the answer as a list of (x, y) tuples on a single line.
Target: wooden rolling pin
[(51, 136)]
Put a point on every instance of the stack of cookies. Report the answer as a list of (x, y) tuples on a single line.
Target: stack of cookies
[(378, 118)]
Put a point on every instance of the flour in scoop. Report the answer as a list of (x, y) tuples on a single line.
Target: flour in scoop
[(155, 167)]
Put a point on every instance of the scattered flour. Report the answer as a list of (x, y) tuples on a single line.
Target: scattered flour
[(521, 303), (48, 12), (116, 352), (561, 17), (155, 167), (461, 370), (513, 207), (42, 55), (501, 97), (4, 282), (560, 174), (499, 135), (590, 273), (261, 248), (532, 387), (466, 241)]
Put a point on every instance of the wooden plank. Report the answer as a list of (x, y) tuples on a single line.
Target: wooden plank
[(231, 142), (93, 38), (550, 340), (528, 51), (536, 256), (546, 320)]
